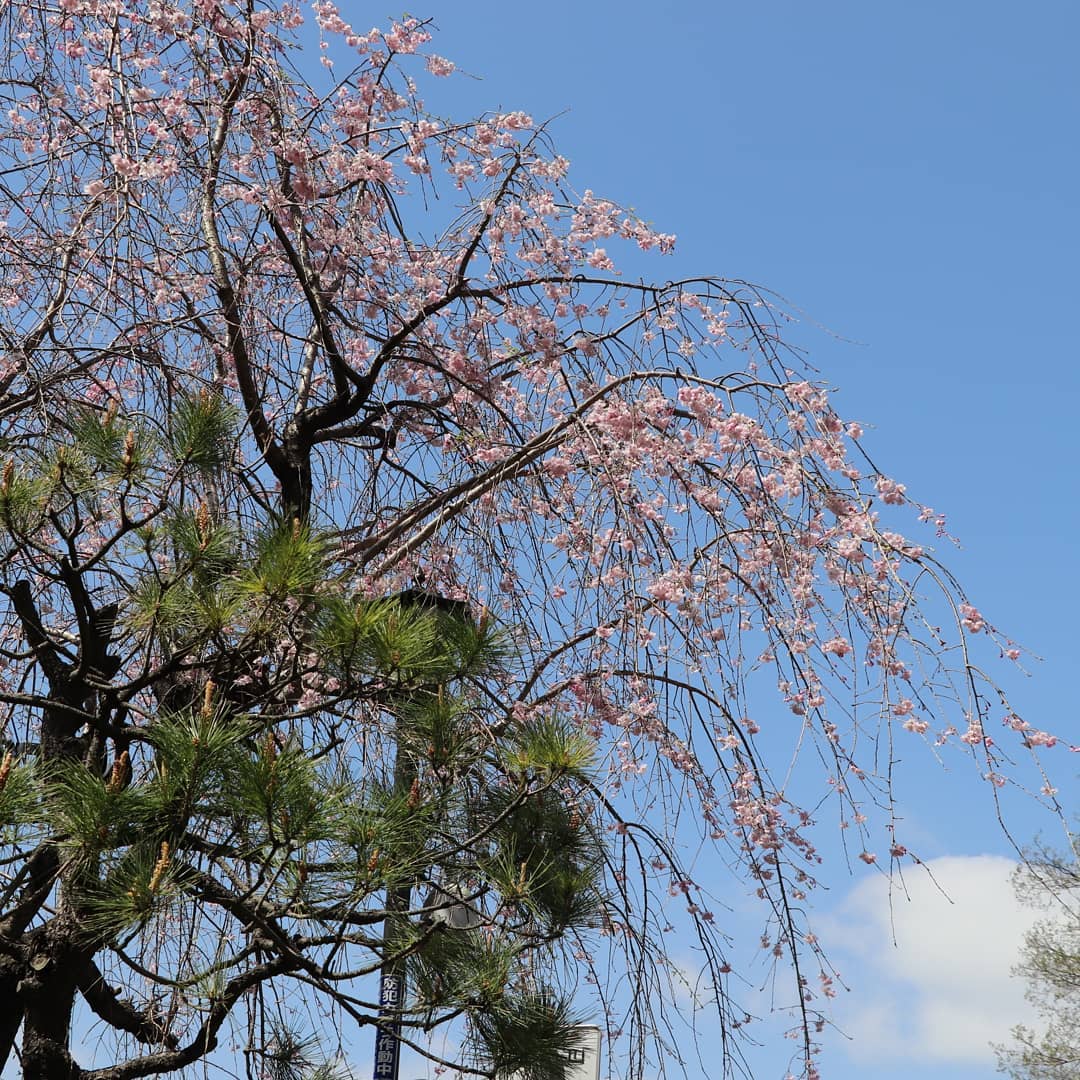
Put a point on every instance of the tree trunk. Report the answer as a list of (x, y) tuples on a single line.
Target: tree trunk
[(10, 1007), (47, 993), (45, 967)]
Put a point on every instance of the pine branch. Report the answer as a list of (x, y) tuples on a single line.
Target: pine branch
[(146, 1025), (205, 1039)]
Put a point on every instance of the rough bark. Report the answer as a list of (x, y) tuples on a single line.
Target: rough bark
[(46, 992), (41, 964)]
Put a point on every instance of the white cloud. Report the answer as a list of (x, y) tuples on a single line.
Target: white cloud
[(931, 961)]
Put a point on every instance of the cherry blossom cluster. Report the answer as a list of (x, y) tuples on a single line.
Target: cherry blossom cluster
[(640, 480)]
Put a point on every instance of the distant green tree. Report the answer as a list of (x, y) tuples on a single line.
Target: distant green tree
[(1051, 965)]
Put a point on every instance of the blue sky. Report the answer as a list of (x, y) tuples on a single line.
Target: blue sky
[(906, 176)]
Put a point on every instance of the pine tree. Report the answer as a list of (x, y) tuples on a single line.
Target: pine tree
[(310, 766)]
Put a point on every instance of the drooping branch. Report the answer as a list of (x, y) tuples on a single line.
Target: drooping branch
[(451, 501)]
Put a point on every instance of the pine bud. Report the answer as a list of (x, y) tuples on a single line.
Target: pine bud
[(202, 524), (9, 475), (160, 867), (414, 794), (128, 460), (5, 769), (120, 772), (208, 700)]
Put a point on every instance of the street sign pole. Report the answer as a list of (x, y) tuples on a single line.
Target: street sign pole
[(387, 1041)]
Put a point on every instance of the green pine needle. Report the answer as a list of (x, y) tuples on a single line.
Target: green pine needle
[(290, 563), (527, 1035), (550, 745), (19, 797), (203, 429)]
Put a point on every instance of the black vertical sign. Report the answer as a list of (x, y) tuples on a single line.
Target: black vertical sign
[(387, 1044)]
